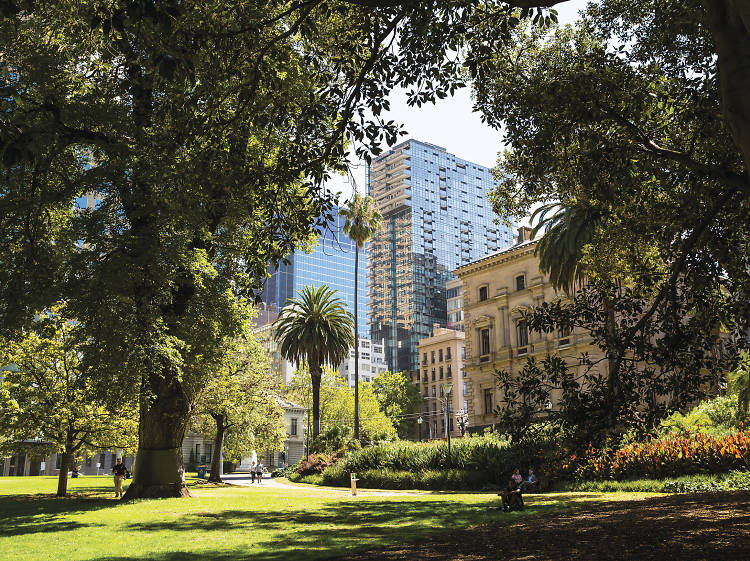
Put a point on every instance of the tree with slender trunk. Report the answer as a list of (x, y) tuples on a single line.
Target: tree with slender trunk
[(48, 395), (362, 220), (317, 329), (237, 407)]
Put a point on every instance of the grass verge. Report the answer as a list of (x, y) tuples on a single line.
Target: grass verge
[(223, 523)]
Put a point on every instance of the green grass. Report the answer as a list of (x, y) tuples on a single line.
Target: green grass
[(223, 523)]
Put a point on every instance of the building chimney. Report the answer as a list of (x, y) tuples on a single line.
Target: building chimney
[(524, 234)]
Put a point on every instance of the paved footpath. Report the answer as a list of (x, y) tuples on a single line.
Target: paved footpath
[(244, 479)]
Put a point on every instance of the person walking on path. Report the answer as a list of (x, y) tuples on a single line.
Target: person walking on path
[(119, 470), (259, 472), (252, 473)]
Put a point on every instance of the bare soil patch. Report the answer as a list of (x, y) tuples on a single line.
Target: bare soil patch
[(705, 526)]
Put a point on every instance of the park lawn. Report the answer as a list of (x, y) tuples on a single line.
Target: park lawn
[(223, 523)]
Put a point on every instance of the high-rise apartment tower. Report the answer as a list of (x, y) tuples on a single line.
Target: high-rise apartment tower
[(436, 218)]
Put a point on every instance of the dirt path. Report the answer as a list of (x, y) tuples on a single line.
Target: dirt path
[(706, 526)]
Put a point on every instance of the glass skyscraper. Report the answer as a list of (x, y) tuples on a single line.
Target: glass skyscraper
[(331, 263), (436, 218)]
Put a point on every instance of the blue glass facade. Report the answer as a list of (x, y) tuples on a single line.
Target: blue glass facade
[(331, 263), (436, 218)]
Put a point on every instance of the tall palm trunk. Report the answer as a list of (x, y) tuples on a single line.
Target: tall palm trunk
[(316, 373), (356, 342)]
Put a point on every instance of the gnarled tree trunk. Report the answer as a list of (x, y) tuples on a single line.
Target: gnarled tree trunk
[(159, 469)]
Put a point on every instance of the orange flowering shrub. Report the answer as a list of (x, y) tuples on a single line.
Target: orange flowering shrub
[(665, 456)]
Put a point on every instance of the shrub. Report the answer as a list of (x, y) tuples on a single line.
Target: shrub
[(284, 472), (315, 464), (671, 455)]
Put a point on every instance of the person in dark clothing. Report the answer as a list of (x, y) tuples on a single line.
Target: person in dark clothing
[(120, 471), (512, 497)]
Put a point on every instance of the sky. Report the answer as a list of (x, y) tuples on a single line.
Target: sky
[(449, 123)]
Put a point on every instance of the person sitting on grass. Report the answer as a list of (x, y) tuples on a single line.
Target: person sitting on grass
[(531, 482), (512, 497)]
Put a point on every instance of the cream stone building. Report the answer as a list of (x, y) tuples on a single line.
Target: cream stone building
[(497, 338), (442, 380)]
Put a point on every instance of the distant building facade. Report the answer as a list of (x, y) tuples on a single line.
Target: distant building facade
[(436, 218), (331, 263), (442, 376), (497, 338), (455, 303), (371, 362)]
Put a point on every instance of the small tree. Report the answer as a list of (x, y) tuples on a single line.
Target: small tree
[(49, 395), (238, 409), (399, 399)]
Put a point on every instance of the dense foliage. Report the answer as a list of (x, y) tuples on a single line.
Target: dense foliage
[(49, 397), (617, 125), (237, 407)]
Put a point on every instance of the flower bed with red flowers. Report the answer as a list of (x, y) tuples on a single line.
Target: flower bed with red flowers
[(665, 456)]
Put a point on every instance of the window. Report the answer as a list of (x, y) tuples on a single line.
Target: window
[(433, 391), (484, 341), (433, 374), (520, 282), (102, 457), (465, 388), (424, 358), (448, 353), (483, 291), (425, 376), (440, 355), (563, 332), (441, 372), (293, 428), (523, 334), (449, 372), (463, 353), (442, 391), (432, 357), (208, 451), (487, 401)]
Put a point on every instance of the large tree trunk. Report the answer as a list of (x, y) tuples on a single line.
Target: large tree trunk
[(729, 22), (356, 345), (159, 470), (315, 376), (62, 478), (215, 476)]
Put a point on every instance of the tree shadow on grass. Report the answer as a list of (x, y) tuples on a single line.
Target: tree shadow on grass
[(32, 514), (338, 527)]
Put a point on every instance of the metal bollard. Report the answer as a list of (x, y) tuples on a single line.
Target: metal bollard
[(354, 484)]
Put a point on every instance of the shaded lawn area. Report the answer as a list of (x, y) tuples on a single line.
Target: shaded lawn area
[(705, 526), (224, 523)]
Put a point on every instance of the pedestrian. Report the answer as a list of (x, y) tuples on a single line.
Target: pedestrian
[(252, 473), (74, 473), (119, 470), (259, 472)]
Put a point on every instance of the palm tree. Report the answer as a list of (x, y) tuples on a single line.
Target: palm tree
[(362, 220), (567, 229), (315, 328)]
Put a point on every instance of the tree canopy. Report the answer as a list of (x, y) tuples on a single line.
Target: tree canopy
[(48, 395)]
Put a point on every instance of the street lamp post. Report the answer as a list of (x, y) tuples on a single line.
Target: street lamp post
[(447, 390), (419, 424)]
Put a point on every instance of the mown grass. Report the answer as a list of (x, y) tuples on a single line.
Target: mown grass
[(223, 523)]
